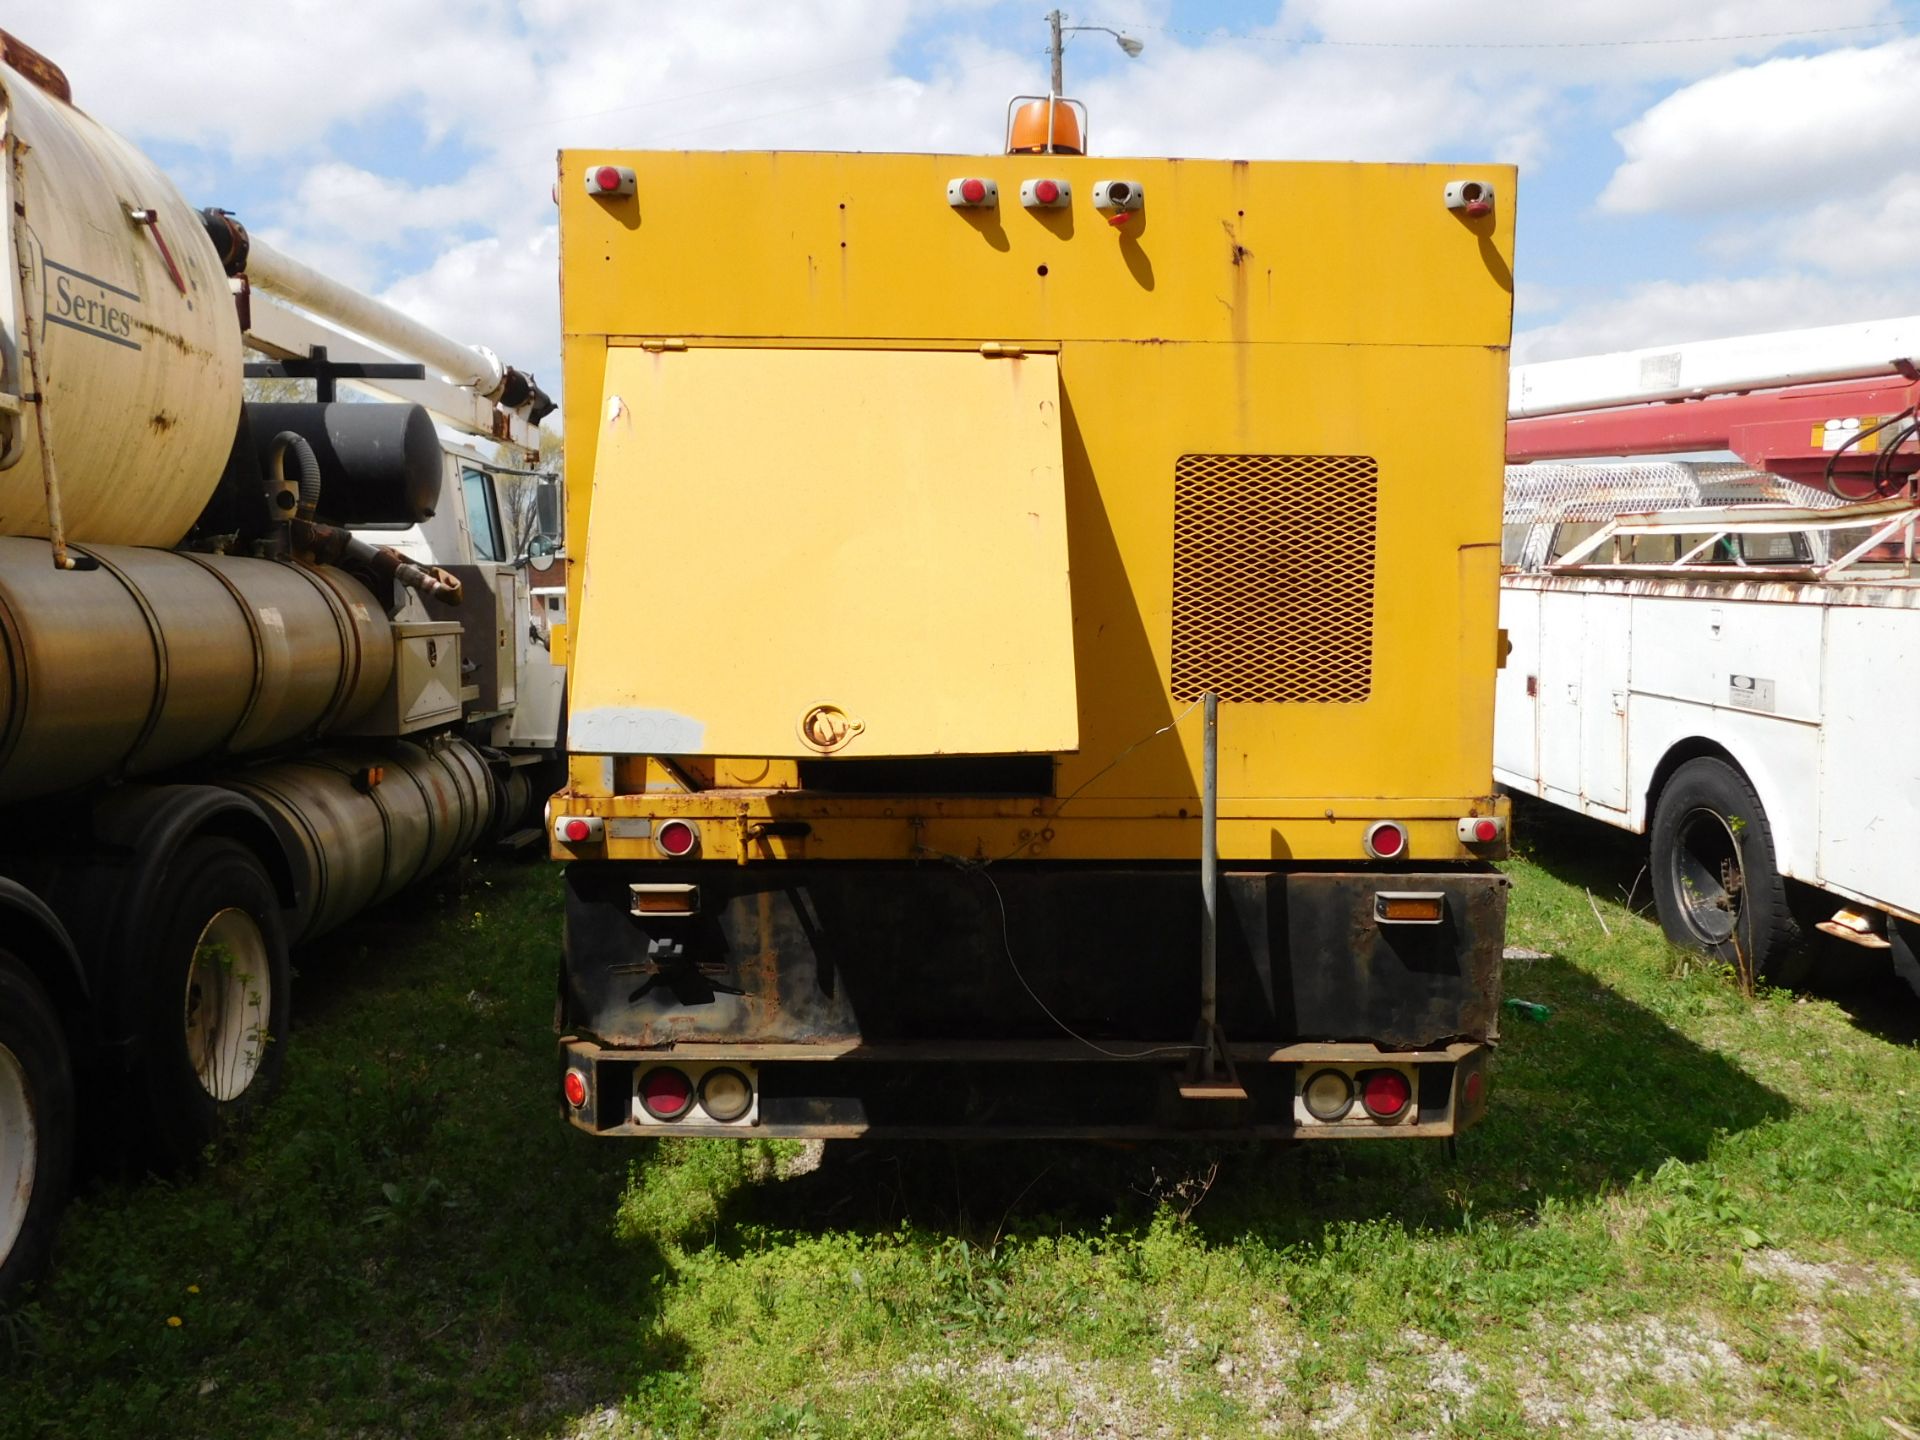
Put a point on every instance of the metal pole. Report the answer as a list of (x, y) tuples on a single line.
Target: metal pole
[(1054, 17), (1209, 869)]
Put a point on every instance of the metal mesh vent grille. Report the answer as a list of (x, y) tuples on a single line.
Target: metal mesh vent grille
[(1273, 561)]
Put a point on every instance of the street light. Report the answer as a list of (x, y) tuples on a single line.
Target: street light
[(1126, 42)]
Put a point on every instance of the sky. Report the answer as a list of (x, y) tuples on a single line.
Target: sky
[(1689, 168)]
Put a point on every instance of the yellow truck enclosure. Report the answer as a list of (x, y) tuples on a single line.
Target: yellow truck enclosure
[(918, 502)]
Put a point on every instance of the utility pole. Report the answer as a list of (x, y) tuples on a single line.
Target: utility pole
[(1127, 43)]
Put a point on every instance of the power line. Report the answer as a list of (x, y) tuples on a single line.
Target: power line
[(1512, 44)]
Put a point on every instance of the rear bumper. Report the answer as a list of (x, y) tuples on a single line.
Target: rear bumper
[(1022, 1091), (1056, 1000)]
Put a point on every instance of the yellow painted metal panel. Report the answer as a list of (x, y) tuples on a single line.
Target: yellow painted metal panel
[(848, 552), (1263, 310), (811, 245)]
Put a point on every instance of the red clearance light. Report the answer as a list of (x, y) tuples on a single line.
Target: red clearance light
[(1486, 830), (1481, 829), (972, 190), (576, 1087), (609, 180), (676, 838), (1476, 1089), (1473, 198), (1386, 840), (1385, 1094), (579, 829), (665, 1093), (1046, 194)]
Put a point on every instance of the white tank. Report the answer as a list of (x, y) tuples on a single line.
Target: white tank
[(138, 360)]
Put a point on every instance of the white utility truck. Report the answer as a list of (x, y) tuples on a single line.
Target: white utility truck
[(1723, 656)]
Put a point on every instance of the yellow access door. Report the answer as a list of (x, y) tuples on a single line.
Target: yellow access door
[(800, 553)]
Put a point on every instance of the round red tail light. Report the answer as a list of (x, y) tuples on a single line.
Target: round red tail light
[(1385, 1093), (974, 191), (676, 838), (1486, 830), (1046, 192), (1386, 840), (576, 1087), (665, 1093), (578, 830)]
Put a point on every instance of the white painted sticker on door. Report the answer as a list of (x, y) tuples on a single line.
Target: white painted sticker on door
[(1747, 692)]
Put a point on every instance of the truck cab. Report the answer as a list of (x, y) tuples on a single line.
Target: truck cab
[(496, 528)]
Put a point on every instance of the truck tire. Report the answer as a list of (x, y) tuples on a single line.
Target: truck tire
[(1716, 885), (36, 1125), (1905, 936), (213, 1029)]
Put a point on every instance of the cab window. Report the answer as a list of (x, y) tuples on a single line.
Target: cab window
[(482, 517)]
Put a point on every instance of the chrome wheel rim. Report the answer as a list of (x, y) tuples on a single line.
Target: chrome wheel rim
[(19, 1150), (1707, 876), (228, 1004)]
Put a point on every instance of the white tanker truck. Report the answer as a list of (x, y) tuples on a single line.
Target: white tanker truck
[(228, 722)]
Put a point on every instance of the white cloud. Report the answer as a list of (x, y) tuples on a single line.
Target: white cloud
[(496, 292), (273, 78), (1773, 136), (316, 89), (348, 200), (1672, 313), (1858, 235), (1578, 41), (1323, 105)]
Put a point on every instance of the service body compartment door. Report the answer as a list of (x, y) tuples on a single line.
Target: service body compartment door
[(825, 552), (1562, 641), (1516, 721), (1606, 650), (1869, 800)]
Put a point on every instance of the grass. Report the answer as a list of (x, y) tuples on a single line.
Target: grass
[(1689, 1213)]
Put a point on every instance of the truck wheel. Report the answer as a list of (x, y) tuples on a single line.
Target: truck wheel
[(36, 1125), (212, 1042), (1716, 886), (1905, 936)]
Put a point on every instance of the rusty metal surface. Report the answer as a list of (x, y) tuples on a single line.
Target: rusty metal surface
[(1875, 594), (987, 1097), (132, 350), (151, 659), (879, 954)]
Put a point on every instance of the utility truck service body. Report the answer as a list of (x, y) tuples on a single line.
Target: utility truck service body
[(923, 510), (1717, 655)]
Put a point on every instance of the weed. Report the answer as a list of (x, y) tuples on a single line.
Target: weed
[(1678, 1213)]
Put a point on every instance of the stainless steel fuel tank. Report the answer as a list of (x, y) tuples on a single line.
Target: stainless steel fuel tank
[(362, 823), (154, 658)]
